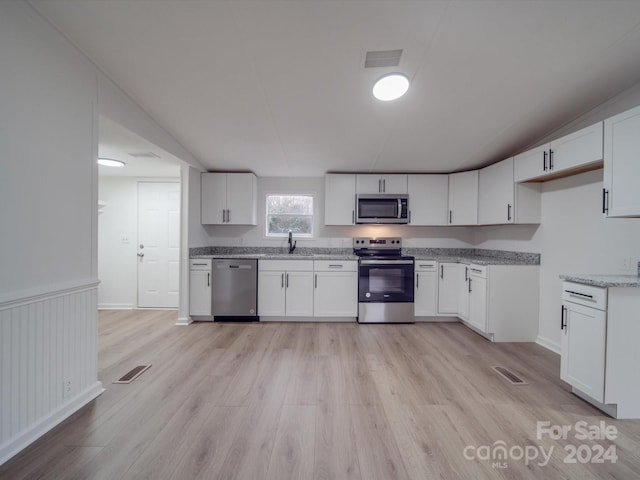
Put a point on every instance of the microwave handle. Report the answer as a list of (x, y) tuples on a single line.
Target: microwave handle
[(399, 208)]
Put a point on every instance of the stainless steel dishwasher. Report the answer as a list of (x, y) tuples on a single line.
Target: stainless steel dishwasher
[(234, 289)]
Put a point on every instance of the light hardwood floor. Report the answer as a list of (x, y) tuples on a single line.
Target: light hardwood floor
[(317, 401)]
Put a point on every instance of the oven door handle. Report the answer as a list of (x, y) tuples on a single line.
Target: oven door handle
[(386, 262)]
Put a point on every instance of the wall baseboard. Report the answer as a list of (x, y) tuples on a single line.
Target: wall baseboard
[(115, 306), (184, 321), (548, 344), (17, 444)]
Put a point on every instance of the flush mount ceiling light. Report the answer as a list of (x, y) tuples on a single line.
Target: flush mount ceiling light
[(390, 86), (110, 162)]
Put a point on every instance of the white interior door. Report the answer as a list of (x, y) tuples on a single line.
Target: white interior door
[(159, 244)]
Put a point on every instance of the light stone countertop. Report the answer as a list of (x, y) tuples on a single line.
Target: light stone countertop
[(454, 255), (604, 280)]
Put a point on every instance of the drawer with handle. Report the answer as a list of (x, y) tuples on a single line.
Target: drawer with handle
[(200, 264), (587, 295), (335, 265)]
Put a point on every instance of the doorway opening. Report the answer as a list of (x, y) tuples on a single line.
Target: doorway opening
[(138, 223)]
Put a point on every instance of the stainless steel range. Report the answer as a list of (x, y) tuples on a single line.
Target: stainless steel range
[(385, 281)]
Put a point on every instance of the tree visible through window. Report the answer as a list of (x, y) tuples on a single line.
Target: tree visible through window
[(289, 213)]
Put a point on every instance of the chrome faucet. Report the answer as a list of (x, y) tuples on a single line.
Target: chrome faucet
[(292, 244)]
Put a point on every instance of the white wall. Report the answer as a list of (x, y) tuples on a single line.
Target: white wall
[(198, 236), (574, 237), (51, 95), (48, 98), (48, 195), (326, 236)]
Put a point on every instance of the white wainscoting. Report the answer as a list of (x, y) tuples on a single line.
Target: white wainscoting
[(45, 339)]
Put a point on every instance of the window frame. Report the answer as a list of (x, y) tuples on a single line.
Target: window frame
[(293, 193)]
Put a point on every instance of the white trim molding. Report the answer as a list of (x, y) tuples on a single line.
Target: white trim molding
[(548, 344), (31, 434), (184, 321), (25, 297), (49, 361)]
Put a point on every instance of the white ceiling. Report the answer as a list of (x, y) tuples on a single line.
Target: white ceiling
[(279, 87), (118, 143)]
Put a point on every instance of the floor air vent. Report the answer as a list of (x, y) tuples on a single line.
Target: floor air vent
[(133, 374), (511, 377)]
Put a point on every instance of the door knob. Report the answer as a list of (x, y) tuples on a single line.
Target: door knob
[(141, 245), (141, 255)]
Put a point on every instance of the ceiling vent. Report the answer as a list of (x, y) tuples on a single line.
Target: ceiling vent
[(383, 58), (144, 155)]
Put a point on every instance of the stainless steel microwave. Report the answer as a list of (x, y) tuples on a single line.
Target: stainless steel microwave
[(382, 208)]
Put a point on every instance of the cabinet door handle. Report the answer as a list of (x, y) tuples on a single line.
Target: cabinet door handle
[(450, 216), (353, 217), (316, 281), (550, 159), (571, 292), (469, 284), (287, 280), (605, 200), (282, 281), (228, 215), (208, 279), (508, 212), (563, 320), (441, 271), (544, 160), (224, 215), (466, 274), (417, 280), (384, 185), (379, 185)]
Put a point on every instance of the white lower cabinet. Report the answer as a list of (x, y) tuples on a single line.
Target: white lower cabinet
[(285, 288), (498, 301), (303, 289), (463, 290), (448, 288), (583, 348), (426, 288), (335, 288), (600, 357), (200, 288), (477, 288), (299, 296), (271, 293)]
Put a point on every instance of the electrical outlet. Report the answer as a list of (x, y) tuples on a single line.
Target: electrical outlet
[(66, 387), (124, 239)]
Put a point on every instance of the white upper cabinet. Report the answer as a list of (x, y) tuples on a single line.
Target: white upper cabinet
[(496, 194), (229, 198), (621, 193), (578, 151), (381, 183), (463, 198), (339, 199), (428, 199)]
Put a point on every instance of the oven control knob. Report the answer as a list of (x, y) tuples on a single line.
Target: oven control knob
[(367, 295)]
